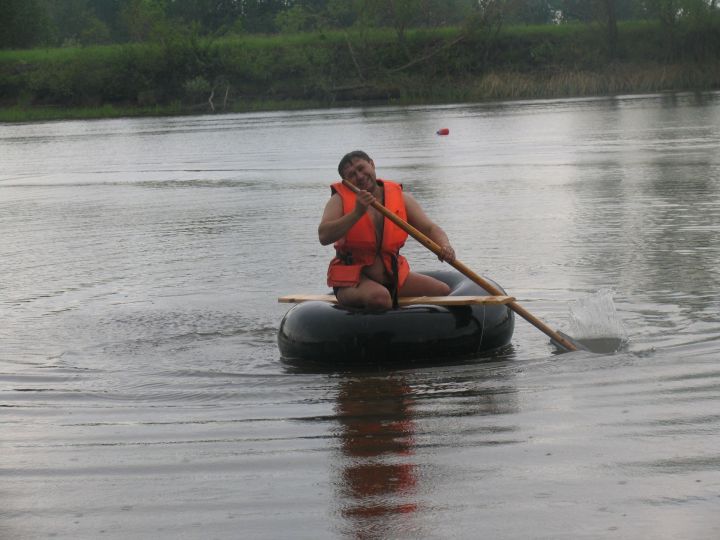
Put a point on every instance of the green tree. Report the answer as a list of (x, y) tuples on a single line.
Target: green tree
[(144, 19), (298, 18), (341, 13), (529, 12), (609, 16), (606, 13), (686, 26), (76, 22), (24, 23), (258, 16), (401, 15), (576, 10), (212, 16)]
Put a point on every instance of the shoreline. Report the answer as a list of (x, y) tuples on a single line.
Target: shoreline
[(617, 79)]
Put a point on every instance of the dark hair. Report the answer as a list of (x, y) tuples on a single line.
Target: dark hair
[(348, 158)]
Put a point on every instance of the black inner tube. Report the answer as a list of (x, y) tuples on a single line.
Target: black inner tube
[(319, 332)]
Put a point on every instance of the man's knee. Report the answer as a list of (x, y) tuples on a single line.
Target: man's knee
[(378, 300), (434, 287), (444, 289)]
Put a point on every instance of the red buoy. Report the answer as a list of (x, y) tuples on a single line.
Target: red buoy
[(443, 131)]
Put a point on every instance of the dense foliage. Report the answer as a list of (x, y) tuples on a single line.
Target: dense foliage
[(185, 55), (32, 23)]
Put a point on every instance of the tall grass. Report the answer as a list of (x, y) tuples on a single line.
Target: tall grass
[(615, 79)]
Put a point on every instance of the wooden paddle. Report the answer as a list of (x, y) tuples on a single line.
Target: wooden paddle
[(560, 340)]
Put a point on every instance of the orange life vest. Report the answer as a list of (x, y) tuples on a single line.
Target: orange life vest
[(358, 248)]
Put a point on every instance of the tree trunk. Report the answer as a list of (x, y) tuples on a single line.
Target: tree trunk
[(611, 29), (399, 23)]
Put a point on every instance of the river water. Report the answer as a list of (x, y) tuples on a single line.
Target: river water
[(141, 390)]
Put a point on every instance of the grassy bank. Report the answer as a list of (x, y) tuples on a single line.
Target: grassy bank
[(45, 113), (185, 75), (617, 79)]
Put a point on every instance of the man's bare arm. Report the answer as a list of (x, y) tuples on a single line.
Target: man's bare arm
[(334, 225), (418, 219)]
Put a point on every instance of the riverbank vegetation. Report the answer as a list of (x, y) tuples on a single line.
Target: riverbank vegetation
[(146, 57)]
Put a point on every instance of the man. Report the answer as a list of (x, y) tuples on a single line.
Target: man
[(368, 271)]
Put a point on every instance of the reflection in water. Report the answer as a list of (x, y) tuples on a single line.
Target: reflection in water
[(377, 478), (410, 443)]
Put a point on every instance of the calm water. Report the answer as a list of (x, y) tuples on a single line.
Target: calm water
[(141, 390)]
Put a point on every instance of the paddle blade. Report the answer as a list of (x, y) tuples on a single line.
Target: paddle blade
[(562, 348), (602, 345)]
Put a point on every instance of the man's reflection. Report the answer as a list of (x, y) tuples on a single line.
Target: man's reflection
[(377, 478)]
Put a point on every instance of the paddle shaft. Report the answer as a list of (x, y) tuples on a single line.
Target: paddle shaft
[(489, 287)]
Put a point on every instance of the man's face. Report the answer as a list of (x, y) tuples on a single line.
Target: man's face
[(360, 173)]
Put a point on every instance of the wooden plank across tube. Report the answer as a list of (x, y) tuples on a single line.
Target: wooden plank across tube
[(408, 300)]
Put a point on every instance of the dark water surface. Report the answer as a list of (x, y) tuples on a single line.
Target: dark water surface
[(141, 390)]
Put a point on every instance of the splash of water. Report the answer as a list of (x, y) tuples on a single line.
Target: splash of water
[(594, 322)]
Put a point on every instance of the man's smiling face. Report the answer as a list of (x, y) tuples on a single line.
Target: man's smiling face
[(361, 174)]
